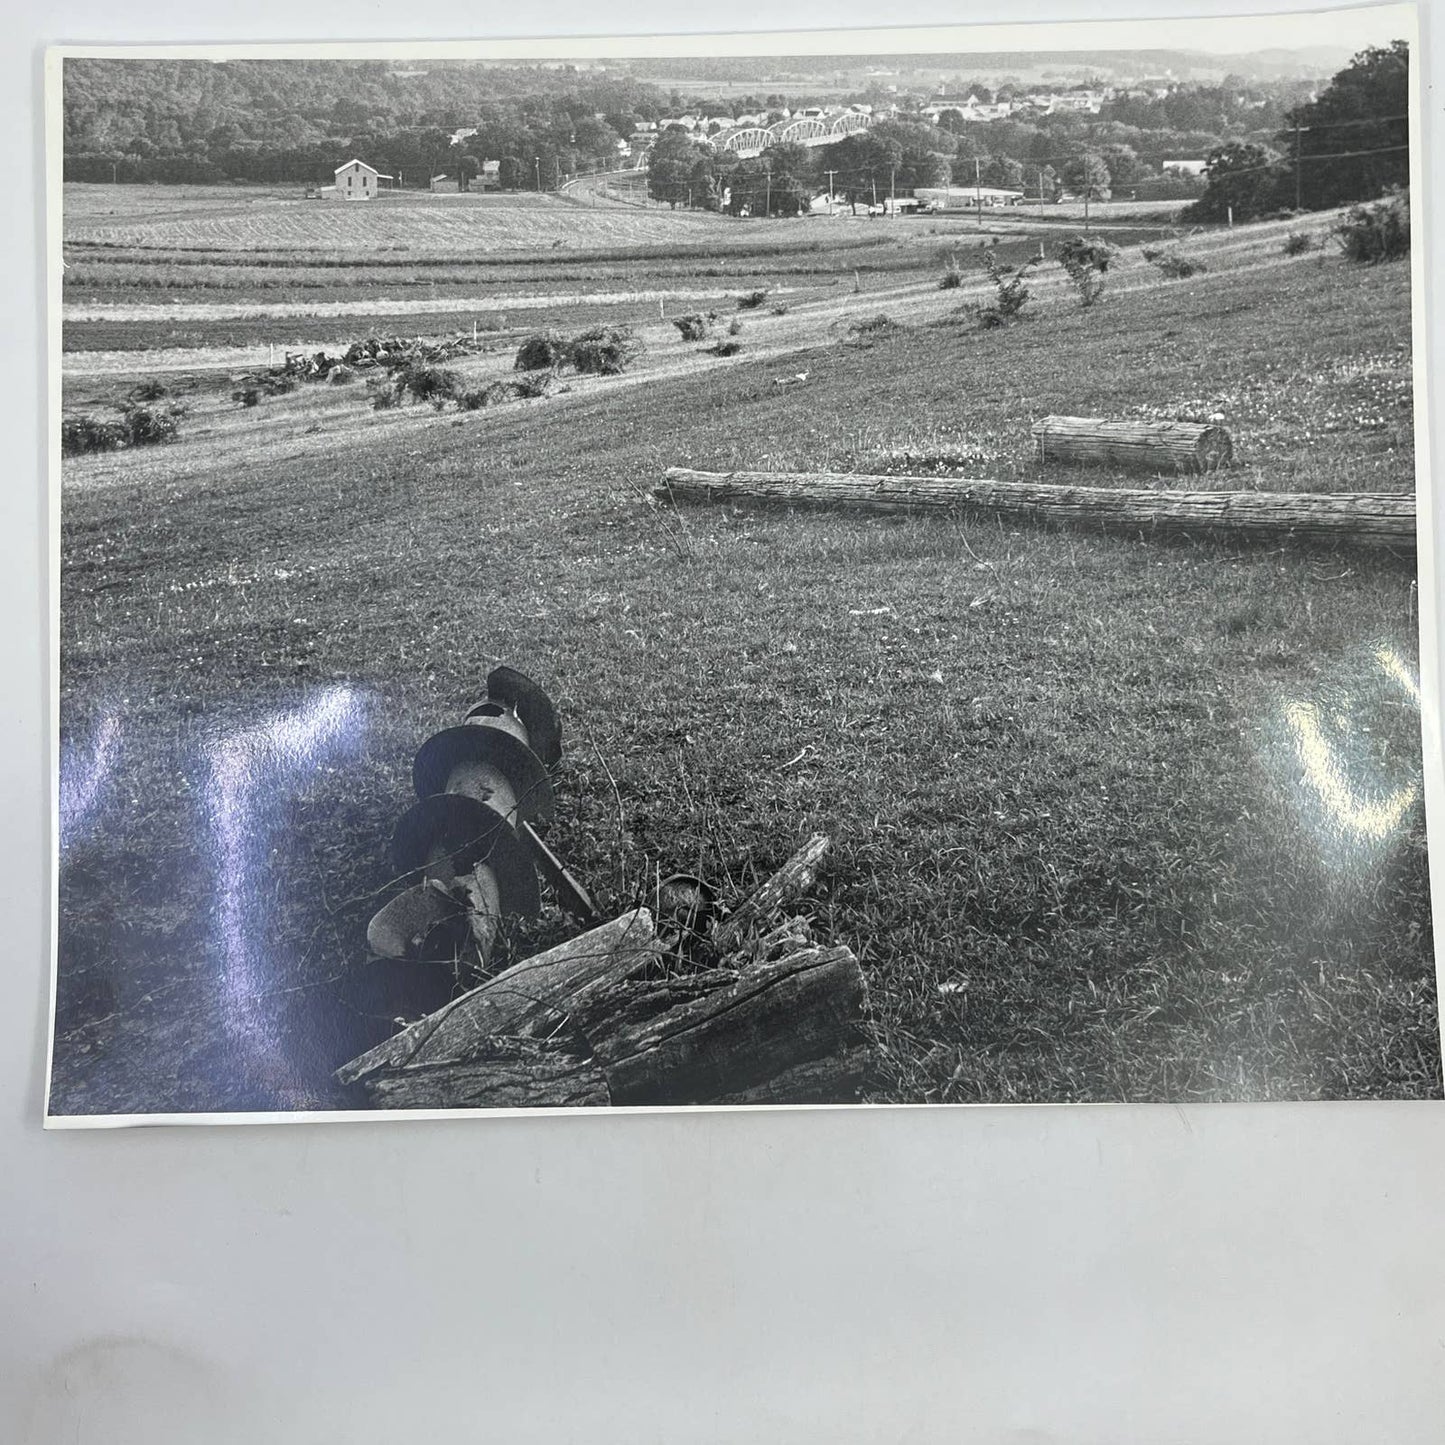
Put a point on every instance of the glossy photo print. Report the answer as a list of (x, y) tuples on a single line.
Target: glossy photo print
[(844, 568)]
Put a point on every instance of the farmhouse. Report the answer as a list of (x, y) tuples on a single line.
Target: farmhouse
[(1184, 168), (355, 181)]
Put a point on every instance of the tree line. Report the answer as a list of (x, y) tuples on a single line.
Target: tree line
[(1269, 146), (1351, 143)]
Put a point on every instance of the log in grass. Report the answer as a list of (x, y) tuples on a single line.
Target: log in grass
[(1362, 519)]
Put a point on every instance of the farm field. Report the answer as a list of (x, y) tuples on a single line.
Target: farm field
[(1076, 848), (421, 222)]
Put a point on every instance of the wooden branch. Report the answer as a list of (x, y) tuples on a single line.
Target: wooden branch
[(1362, 519), (1158, 446), (529, 998), (792, 880)]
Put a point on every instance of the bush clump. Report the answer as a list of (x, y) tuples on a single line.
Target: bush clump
[(87, 433), (603, 351), (434, 384), (1379, 231), (137, 426), (542, 351), (952, 277), (1297, 243), (726, 348), (691, 328), (1173, 263), (752, 300), (1085, 260)]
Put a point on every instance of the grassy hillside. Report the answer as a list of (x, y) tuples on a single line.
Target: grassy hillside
[(1113, 819)]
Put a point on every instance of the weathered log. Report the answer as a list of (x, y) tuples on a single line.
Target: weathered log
[(833, 1079), (793, 879), (1364, 519), (736, 1038), (528, 998), (1157, 446), (559, 1082)]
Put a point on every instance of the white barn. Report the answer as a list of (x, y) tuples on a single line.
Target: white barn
[(355, 181)]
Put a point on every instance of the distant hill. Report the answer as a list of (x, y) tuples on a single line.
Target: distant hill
[(1312, 62)]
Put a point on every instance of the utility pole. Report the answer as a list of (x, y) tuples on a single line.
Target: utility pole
[(831, 174), (892, 192), (977, 192), (1297, 161), (537, 165), (1088, 190)]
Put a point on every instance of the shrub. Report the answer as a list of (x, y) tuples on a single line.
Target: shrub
[(952, 277), (734, 326), (1297, 243), (726, 348), (691, 328), (434, 384), (149, 390), (1379, 231), (1085, 259), (247, 396), (146, 425), (473, 399), (604, 351), (530, 387), (137, 426), (90, 434), (1173, 263), (340, 374), (752, 300), (780, 310), (541, 351), (1011, 292), (384, 398)]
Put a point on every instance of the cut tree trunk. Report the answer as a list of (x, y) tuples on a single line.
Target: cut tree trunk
[(1157, 446), (1361, 519)]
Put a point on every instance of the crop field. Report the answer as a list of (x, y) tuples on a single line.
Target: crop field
[(416, 221), (1112, 819)]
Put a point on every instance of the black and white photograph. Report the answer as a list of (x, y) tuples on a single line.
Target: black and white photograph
[(617, 576)]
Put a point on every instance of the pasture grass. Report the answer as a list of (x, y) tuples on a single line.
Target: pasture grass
[(1085, 846)]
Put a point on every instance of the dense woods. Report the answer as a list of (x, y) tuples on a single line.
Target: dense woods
[(1271, 144)]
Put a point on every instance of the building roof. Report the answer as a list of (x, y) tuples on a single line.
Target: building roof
[(362, 164)]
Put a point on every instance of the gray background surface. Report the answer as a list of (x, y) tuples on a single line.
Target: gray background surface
[(1020, 1276)]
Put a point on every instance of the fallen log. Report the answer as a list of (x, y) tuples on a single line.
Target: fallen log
[(610, 1018), (530, 997), (1157, 446), (733, 1038), (548, 1081), (1360, 519)]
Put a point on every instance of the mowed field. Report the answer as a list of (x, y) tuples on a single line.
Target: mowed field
[(1112, 819), (226, 218)]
